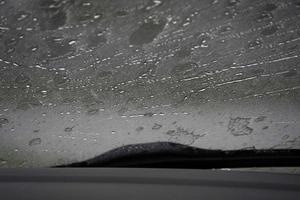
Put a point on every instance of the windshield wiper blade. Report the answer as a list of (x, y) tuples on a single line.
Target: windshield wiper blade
[(173, 155)]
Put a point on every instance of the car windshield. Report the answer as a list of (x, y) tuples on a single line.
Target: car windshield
[(81, 77)]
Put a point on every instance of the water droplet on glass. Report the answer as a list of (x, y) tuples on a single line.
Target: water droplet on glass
[(68, 129), (233, 2), (22, 16), (3, 121), (97, 16), (72, 42), (2, 161), (35, 141), (34, 48), (44, 92), (255, 44)]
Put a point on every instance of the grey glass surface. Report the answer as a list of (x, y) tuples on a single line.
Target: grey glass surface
[(78, 78)]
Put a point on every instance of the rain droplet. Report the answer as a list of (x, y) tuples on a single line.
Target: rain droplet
[(35, 141), (2, 161), (10, 50), (86, 4), (153, 4), (34, 48), (146, 33), (68, 129), (72, 42), (255, 44), (264, 17), (121, 13), (225, 29), (22, 16), (44, 92), (139, 129), (270, 30), (3, 121), (156, 126), (233, 2), (97, 16)]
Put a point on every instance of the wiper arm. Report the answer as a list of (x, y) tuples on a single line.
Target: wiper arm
[(172, 155)]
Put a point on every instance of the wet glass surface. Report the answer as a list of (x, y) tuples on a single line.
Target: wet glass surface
[(81, 77)]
